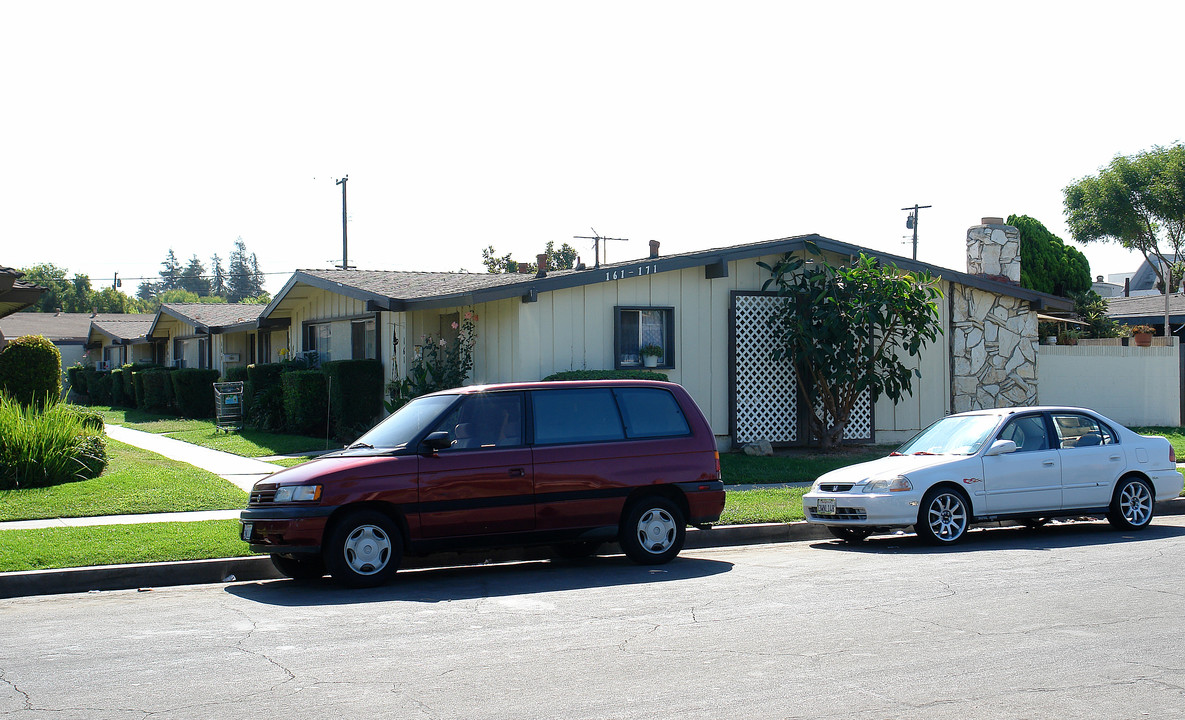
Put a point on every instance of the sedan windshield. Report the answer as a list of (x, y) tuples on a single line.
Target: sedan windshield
[(960, 435), (407, 423)]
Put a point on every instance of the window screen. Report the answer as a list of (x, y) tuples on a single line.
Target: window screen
[(576, 416), (651, 412)]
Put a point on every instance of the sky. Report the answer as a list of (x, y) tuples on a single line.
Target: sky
[(134, 128)]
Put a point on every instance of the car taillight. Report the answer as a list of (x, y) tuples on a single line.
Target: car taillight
[(718, 465), (1172, 457)]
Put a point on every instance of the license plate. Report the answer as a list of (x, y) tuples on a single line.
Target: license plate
[(247, 527), (825, 506)]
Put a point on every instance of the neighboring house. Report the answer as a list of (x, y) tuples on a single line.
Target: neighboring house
[(1144, 280), (15, 295), (211, 335), (705, 309), (116, 340), (69, 332), (1149, 310), (1107, 289)]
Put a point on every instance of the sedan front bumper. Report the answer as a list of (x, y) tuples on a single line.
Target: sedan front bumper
[(862, 509)]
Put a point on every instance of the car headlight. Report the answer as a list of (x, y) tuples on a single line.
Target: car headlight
[(298, 493), (895, 484)]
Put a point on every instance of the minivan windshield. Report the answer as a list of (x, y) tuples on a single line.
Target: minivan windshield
[(956, 435), (407, 423)]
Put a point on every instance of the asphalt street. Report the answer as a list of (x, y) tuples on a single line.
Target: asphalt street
[(1070, 621)]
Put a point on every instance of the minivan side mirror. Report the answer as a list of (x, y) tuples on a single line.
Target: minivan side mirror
[(1000, 447), (437, 441)]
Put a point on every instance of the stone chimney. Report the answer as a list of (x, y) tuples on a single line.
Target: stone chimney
[(654, 248), (993, 250), (541, 263)]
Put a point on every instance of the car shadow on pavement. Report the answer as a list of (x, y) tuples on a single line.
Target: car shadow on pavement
[(433, 585), (1057, 535)]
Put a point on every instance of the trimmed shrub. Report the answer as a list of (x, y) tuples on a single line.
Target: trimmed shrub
[(91, 419), (158, 389), (31, 370), (117, 395), (263, 396), (76, 378), (135, 382), (355, 396), (129, 386), (305, 401), (98, 385), (607, 375), (41, 447), (193, 392), (235, 373)]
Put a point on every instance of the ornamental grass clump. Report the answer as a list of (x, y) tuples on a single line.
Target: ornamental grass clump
[(42, 447)]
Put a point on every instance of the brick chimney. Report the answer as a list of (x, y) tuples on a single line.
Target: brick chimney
[(541, 263), (654, 248)]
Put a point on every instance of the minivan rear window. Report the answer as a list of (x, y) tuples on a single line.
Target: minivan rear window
[(576, 416), (651, 412)]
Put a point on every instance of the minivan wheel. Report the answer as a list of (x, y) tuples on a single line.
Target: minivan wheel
[(1131, 506), (653, 531), (943, 517), (364, 549), (309, 567)]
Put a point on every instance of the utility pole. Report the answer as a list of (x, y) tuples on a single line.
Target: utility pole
[(597, 238), (911, 222), (345, 246)]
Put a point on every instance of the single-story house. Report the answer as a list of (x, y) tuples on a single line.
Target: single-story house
[(705, 309), (69, 332), (15, 295), (211, 335), (116, 340), (1149, 310)]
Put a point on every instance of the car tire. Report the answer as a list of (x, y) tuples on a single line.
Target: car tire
[(849, 534), (1131, 505), (576, 550), (310, 567), (653, 531), (944, 516), (363, 549)]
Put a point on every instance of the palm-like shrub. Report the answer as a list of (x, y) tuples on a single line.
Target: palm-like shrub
[(41, 447)]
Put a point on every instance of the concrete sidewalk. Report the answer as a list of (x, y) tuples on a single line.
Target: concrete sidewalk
[(243, 472)]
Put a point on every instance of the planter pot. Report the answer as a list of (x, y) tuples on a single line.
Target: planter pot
[(1051, 340), (1143, 339), (650, 361)]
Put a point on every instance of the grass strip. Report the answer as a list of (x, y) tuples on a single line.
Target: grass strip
[(244, 443), (801, 466), (765, 505), (119, 544), (135, 481)]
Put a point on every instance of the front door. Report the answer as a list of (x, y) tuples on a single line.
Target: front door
[(1028, 480), (484, 483)]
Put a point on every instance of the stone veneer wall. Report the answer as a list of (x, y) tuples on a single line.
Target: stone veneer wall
[(993, 350), (994, 251)]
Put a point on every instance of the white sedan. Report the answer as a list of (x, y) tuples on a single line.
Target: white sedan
[(1029, 464)]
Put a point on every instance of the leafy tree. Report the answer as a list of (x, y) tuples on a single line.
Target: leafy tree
[(177, 296), (495, 264), (193, 278), (110, 300), (218, 279), (69, 295), (148, 290), (170, 275), (1092, 309), (1047, 264), (244, 277), (1138, 202), (563, 258), (845, 328)]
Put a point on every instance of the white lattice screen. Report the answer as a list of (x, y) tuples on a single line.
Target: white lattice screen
[(767, 394), (766, 389)]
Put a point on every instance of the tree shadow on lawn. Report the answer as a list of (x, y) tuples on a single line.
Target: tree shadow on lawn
[(444, 584), (1055, 536)]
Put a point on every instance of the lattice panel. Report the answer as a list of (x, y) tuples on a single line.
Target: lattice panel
[(860, 423), (766, 389)]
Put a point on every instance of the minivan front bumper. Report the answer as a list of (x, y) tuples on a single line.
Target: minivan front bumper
[(284, 530)]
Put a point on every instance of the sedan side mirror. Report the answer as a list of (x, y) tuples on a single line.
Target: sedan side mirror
[(1000, 447), (437, 441)]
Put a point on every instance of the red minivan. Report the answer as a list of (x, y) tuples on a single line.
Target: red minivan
[(572, 464)]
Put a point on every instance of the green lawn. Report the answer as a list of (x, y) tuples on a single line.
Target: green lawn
[(119, 544), (794, 465), (246, 442), (135, 481), (763, 506)]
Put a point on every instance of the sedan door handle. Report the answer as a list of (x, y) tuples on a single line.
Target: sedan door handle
[(1115, 457), (516, 472), (1048, 463)]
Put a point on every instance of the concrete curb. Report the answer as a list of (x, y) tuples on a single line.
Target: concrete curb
[(259, 567)]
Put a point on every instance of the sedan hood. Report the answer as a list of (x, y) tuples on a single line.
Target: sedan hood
[(891, 466)]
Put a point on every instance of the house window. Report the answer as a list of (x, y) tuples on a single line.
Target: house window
[(635, 328), (363, 339), (317, 337)]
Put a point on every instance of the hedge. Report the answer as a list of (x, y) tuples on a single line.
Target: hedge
[(263, 396), (305, 401), (607, 375), (98, 385), (76, 379), (235, 373), (355, 396), (193, 392), (31, 370), (158, 389), (117, 394)]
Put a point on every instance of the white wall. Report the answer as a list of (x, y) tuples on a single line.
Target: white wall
[(1132, 385)]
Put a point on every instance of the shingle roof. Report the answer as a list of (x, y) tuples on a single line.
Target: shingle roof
[(16, 294), (127, 328), (1142, 309), (59, 327), (213, 316)]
